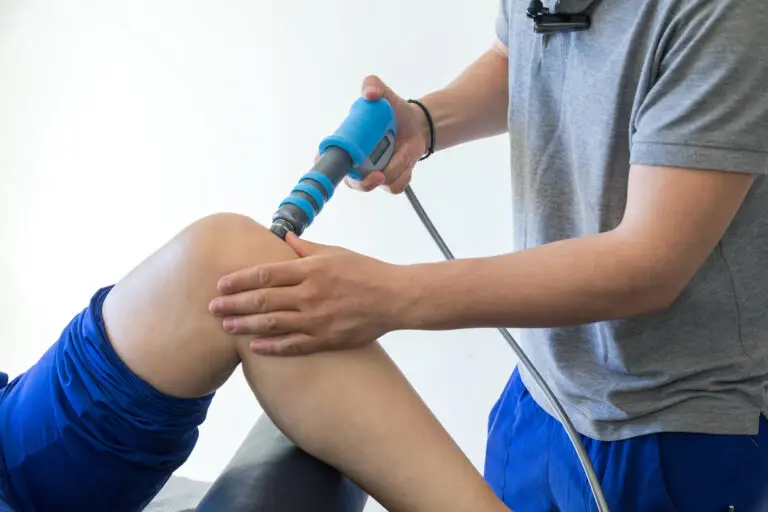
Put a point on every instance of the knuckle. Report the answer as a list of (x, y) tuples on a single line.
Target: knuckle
[(262, 276), (269, 350), (308, 292), (315, 267), (269, 323), (259, 301)]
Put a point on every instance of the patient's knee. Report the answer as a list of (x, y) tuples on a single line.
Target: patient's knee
[(159, 312), (226, 242)]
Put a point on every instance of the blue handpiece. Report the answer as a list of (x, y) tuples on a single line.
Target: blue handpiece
[(367, 135), (365, 142)]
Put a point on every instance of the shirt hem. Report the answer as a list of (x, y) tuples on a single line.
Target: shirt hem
[(687, 417), (699, 157)]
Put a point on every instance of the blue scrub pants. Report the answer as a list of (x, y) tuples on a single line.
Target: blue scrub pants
[(80, 432), (532, 466)]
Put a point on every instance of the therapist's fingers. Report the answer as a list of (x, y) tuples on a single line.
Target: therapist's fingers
[(267, 325), (253, 302), (286, 273), (370, 182)]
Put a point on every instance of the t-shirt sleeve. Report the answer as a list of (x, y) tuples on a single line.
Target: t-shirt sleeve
[(502, 22), (707, 107)]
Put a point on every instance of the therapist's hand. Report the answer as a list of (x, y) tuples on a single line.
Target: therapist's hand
[(328, 299), (410, 142)]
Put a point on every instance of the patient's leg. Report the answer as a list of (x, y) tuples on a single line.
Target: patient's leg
[(351, 409)]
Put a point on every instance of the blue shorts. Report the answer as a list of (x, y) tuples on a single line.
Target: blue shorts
[(532, 467), (79, 431)]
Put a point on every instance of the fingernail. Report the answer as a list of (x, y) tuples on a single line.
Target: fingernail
[(223, 284), (229, 324), (215, 305), (369, 91)]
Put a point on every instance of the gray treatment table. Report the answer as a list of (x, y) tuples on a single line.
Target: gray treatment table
[(268, 473)]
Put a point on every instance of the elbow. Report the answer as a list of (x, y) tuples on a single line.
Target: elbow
[(658, 300), (656, 295), (651, 279), (640, 303)]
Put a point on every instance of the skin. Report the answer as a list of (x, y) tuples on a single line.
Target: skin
[(673, 220), (481, 115), (352, 409)]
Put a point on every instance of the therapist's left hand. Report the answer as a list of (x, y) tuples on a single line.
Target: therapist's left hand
[(328, 299)]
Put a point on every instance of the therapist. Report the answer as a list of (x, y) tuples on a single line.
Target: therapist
[(639, 150)]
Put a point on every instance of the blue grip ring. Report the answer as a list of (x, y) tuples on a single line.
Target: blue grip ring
[(322, 179), (312, 192), (302, 203)]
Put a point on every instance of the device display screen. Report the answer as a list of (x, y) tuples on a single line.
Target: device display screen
[(380, 150)]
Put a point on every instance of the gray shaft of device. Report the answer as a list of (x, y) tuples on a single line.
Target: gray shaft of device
[(335, 164)]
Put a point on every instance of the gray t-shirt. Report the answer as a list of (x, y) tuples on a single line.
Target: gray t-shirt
[(680, 83)]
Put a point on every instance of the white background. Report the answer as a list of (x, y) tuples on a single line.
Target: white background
[(123, 121)]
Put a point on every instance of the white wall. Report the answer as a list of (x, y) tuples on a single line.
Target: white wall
[(120, 122)]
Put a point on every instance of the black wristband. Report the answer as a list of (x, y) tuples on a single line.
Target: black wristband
[(431, 147)]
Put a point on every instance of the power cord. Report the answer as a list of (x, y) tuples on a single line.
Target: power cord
[(573, 435)]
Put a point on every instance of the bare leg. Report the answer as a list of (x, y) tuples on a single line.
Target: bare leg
[(351, 409)]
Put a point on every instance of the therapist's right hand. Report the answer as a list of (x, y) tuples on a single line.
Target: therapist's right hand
[(411, 141)]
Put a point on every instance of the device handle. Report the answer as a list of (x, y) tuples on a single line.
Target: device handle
[(367, 135)]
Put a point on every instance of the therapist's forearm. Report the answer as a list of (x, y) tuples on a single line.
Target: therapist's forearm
[(572, 282), (473, 106)]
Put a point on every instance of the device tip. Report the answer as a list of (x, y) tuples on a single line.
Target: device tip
[(281, 228)]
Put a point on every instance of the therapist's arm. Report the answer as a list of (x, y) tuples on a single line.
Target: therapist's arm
[(474, 105), (673, 220)]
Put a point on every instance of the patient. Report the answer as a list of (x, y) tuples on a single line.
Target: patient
[(113, 408)]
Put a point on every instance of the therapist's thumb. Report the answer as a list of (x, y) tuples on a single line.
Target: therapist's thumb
[(374, 88), (304, 248)]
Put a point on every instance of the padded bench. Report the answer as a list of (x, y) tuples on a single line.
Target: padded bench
[(269, 473)]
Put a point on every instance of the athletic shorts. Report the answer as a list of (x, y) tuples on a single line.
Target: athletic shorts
[(532, 467), (80, 432)]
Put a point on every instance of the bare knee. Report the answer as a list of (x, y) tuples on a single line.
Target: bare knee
[(225, 242), (159, 312)]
